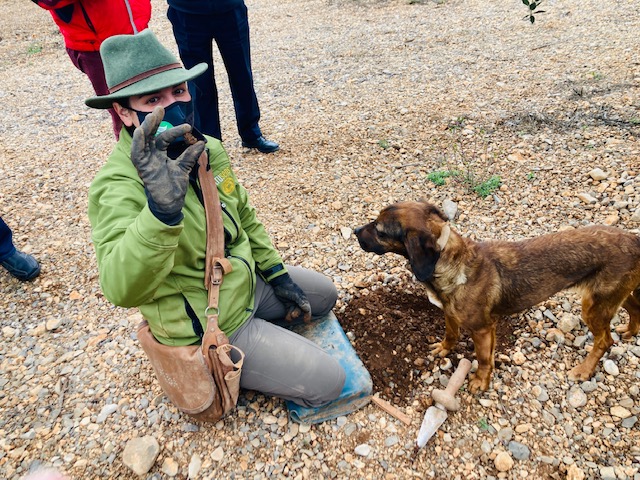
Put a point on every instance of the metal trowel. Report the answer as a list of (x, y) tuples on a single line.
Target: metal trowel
[(444, 401)]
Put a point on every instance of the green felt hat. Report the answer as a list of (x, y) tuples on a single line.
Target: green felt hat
[(137, 65)]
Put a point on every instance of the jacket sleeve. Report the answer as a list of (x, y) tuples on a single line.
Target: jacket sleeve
[(135, 250)]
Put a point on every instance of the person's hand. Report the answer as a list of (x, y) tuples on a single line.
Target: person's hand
[(165, 180), (293, 298)]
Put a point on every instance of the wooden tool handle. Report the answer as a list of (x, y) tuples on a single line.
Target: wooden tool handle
[(457, 379)]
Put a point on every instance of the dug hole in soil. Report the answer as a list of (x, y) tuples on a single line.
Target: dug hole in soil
[(393, 328)]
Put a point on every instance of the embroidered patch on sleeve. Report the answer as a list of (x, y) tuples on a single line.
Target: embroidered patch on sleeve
[(226, 181)]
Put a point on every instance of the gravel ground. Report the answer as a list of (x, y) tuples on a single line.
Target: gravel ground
[(367, 99)]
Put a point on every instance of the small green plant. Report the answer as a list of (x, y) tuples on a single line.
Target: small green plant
[(483, 424), (384, 144), (34, 48), (532, 5), (487, 187), (635, 121), (458, 123), (438, 177), (597, 76), (531, 176)]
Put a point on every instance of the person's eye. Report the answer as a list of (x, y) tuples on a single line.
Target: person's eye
[(152, 101)]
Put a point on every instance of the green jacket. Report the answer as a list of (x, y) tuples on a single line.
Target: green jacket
[(160, 268)]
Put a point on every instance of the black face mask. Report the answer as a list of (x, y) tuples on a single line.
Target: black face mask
[(175, 114)]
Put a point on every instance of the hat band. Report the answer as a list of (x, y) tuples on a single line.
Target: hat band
[(144, 75)]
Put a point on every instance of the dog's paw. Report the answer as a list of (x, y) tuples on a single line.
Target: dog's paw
[(626, 332), (580, 373), (439, 349), (478, 384)]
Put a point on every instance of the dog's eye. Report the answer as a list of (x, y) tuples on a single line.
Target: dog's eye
[(382, 234)]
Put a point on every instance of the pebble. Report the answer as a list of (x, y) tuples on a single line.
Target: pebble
[(576, 397), (519, 450), (620, 412), (503, 462), (363, 450), (140, 454), (519, 358), (598, 174), (106, 411), (194, 466), (568, 322), (218, 454), (450, 208), (505, 434), (589, 386), (611, 368), (170, 467)]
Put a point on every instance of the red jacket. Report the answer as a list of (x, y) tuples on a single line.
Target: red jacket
[(84, 24)]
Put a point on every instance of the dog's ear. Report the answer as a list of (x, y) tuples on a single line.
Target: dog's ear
[(422, 256), (444, 236)]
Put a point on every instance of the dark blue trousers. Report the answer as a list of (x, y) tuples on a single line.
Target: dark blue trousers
[(6, 241), (194, 34)]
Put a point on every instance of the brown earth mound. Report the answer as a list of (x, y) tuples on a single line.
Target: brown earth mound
[(392, 330)]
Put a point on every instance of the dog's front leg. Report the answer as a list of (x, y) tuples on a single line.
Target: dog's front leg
[(451, 336), (484, 341)]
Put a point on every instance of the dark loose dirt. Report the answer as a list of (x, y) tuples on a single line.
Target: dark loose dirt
[(393, 330)]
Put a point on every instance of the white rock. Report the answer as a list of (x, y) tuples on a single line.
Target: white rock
[(620, 412), (503, 462), (363, 450), (519, 358), (576, 397), (140, 454), (217, 455), (346, 232), (194, 466), (9, 332), (598, 174), (106, 411), (270, 419), (53, 324), (170, 467), (450, 208), (575, 473), (586, 198), (611, 368), (568, 322)]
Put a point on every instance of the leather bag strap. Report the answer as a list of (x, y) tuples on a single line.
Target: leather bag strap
[(216, 264)]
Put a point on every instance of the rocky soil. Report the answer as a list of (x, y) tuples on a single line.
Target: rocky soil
[(372, 102)]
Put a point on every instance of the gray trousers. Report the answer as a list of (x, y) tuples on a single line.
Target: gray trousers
[(284, 364)]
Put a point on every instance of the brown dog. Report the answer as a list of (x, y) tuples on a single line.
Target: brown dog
[(477, 282)]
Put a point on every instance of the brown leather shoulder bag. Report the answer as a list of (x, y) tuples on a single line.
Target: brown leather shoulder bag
[(201, 380)]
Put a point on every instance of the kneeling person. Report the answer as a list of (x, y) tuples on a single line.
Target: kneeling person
[(149, 231)]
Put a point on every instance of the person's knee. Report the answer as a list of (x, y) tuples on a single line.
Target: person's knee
[(331, 390), (329, 296)]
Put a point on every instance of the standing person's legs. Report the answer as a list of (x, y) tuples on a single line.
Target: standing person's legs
[(232, 37), (91, 65), (195, 45), (282, 363), (6, 241)]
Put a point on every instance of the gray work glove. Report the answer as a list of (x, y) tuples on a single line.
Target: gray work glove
[(165, 180), (293, 298)]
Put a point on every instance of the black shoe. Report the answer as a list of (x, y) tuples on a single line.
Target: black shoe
[(262, 145), (22, 266)]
